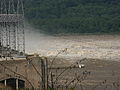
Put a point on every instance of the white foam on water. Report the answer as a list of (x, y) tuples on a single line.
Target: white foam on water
[(80, 46)]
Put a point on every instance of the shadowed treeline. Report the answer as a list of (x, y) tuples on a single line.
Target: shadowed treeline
[(74, 16)]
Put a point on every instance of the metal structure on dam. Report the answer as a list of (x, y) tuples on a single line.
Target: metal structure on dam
[(11, 27)]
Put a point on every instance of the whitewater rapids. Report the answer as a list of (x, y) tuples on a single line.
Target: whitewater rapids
[(77, 46)]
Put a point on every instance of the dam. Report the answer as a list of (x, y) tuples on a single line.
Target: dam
[(12, 42)]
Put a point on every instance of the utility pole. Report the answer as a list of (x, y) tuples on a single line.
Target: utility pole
[(52, 85), (43, 74), (44, 71)]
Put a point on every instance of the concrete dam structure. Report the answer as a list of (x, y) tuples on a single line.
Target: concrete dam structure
[(21, 73)]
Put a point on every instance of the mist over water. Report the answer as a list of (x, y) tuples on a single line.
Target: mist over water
[(82, 46)]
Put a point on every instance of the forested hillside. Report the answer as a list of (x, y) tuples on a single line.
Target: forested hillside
[(74, 16)]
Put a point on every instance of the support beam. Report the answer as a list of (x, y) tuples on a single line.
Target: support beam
[(17, 84), (5, 82)]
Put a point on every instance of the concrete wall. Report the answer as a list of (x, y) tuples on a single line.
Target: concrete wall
[(22, 69)]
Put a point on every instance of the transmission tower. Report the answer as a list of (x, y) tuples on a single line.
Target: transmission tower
[(12, 39)]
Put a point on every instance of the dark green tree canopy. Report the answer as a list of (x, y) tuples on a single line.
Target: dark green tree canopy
[(74, 16)]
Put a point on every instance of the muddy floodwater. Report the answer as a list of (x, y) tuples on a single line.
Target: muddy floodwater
[(78, 46)]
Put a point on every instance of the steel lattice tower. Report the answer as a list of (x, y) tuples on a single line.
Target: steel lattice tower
[(12, 39)]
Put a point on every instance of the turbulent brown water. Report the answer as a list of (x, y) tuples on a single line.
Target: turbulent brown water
[(78, 46)]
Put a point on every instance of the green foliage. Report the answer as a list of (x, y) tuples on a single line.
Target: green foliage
[(74, 16)]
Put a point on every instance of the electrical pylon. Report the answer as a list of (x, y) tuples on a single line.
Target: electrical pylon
[(12, 39)]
